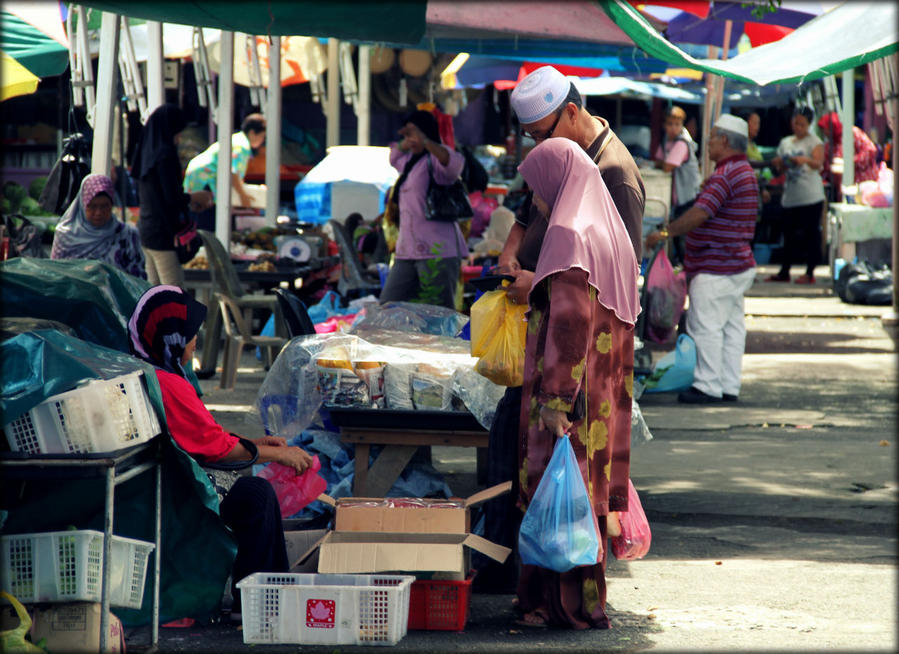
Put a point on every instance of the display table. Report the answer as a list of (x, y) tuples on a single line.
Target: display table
[(401, 433), (117, 467), (854, 223)]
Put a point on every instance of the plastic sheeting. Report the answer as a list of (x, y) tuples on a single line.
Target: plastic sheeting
[(197, 549), (93, 298), (411, 317)]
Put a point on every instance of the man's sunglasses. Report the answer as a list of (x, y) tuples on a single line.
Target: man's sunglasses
[(549, 132)]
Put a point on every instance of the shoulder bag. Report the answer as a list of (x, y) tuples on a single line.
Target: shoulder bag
[(446, 203), (223, 475)]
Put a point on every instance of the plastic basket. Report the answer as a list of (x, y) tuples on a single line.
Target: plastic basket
[(66, 566), (439, 605), (101, 416), (324, 609)]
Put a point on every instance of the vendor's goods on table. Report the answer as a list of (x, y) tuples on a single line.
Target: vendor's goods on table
[(99, 416)]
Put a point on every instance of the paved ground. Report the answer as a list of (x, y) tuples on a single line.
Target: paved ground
[(774, 520)]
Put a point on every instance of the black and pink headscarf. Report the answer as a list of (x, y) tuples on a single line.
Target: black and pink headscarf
[(164, 321)]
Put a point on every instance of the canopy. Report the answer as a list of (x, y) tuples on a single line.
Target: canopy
[(845, 37), (402, 21), (33, 45)]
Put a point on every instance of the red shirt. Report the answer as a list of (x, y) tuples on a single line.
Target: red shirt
[(189, 421), (721, 245)]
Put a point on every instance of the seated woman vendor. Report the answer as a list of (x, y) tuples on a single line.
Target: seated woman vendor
[(163, 331)]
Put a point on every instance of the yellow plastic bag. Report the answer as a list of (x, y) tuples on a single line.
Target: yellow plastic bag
[(503, 359), (14, 639), (487, 315)]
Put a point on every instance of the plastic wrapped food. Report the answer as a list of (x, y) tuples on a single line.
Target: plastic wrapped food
[(372, 374), (413, 317)]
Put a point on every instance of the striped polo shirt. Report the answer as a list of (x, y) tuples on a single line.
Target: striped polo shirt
[(721, 245)]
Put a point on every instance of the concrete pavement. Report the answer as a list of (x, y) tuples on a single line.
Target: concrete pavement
[(774, 519)]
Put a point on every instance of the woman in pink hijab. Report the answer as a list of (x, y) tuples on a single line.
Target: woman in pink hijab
[(579, 363)]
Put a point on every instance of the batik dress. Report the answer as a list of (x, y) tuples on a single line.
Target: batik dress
[(576, 345)]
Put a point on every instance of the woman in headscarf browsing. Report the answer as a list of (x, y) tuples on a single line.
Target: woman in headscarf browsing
[(163, 331), (578, 374), (163, 205), (88, 230), (419, 156)]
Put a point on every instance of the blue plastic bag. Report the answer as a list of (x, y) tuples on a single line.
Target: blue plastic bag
[(674, 371), (559, 530)]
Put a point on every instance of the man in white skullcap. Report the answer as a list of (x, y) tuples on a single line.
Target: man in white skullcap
[(547, 105), (719, 264)]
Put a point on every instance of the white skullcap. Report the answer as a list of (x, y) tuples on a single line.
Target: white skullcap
[(733, 124), (539, 94)]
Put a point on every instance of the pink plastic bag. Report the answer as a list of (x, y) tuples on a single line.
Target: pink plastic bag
[(635, 538), (294, 491), (665, 295)]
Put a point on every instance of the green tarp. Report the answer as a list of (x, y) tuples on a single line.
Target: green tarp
[(401, 21), (845, 37)]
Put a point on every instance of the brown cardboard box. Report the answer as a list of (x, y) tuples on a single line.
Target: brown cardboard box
[(71, 627), (436, 516), (299, 543), (445, 555)]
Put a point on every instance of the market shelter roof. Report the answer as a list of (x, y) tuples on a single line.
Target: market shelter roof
[(845, 37), (401, 21)]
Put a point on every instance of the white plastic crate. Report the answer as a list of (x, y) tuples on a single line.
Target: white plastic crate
[(324, 609), (101, 416), (66, 566)]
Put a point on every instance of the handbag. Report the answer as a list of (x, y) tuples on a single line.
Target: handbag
[(223, 476), (187, 242), (446, 203)]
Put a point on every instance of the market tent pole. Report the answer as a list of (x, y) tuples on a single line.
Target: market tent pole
[(101, 154), (155, 74), (225, 124), (848, 120), (892, 317), (273, 134), (332, 102), (363, 116)]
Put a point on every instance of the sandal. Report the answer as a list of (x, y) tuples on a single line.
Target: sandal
[(777, 278), (532, 620)]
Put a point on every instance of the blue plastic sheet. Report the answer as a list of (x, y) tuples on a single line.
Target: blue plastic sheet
[(558, 531)]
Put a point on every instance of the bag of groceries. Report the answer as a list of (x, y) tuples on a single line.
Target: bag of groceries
[(498, 333)]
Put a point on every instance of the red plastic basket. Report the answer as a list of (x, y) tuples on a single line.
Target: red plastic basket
[(439, 605)]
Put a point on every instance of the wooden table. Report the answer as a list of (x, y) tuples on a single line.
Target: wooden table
[(400, 442)]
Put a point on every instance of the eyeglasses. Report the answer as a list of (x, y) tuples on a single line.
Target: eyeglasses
[(548, 133)]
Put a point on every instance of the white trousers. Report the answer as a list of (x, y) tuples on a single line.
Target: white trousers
[(163, 267), (716, 322)]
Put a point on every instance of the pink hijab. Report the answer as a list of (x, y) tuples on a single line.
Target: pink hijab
[(585, 230)]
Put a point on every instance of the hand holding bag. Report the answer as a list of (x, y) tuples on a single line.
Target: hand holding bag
[(635, 538), (559, 530), (498, 333), (446, 203)]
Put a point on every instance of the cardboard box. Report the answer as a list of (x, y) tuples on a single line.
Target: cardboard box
[(427, 516), (302, 549), (71, 627), (445, 555)]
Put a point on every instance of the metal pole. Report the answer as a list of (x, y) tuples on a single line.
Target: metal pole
[(225, 124), (101, 155), (891, 318), (273, 134), (363, 118), (155, 67), (848, 120), (333, 104), (154, 632), (107, 551)]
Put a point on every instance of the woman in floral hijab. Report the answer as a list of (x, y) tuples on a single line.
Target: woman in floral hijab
[(88, 230)]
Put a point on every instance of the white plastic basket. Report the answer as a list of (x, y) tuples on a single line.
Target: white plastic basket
[(66, 566), (101, 416), (324, 609)]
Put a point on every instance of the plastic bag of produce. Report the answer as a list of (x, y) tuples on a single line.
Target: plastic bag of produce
[(487, 315), (559, 529), (635, 538), (503, 359), (294, 491)]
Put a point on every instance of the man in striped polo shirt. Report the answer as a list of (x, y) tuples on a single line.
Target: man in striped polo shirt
[(719, 263)]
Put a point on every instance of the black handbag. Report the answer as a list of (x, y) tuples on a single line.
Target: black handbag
[(223, 476), (448, 203), (187, 242)]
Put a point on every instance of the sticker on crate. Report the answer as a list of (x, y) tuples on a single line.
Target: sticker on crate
[(320, 613)]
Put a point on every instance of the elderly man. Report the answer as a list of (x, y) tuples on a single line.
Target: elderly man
[(718, 260), (547, 105)]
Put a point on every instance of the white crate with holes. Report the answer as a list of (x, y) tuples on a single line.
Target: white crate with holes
[(66, 566), (100, 416), (324, 609)]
